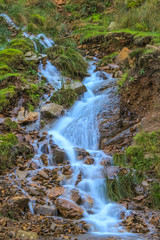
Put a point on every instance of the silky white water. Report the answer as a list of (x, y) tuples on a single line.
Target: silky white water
[(79, 128)]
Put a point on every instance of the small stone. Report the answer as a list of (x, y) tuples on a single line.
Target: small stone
[(46, 210), (52, 227), (43, 174)]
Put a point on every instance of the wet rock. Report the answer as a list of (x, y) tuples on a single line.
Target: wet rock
[(25, 117), (69, 209), (78, 87), (44, 159), (89, 160), (24, 235), (45, 149), (34, 165), (21, 174), (106, 162), (67, 170), (75, 197), (51, 110), (81, 153), (55, 192), (59, 155), (46, 210), (111, 172), (43, 174)]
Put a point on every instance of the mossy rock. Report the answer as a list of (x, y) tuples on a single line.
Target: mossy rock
[(38, 19), (64, 97), (69, 61), (9, 124), (7, 153), (4, 69), (6, 95), (12, 57), (21, 45)]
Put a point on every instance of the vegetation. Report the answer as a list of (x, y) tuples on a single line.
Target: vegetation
[(6, 95), (12, 57), (7, 153), (144, 157), (69, 61), (65, 97), (21, 44)]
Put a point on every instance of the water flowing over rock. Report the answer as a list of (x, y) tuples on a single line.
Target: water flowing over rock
[(69, 209), (77, 86), (51, 110)]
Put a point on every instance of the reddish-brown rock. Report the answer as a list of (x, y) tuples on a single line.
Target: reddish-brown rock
[(69, 209)]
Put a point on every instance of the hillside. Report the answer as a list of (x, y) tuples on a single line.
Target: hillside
[(79, 119)]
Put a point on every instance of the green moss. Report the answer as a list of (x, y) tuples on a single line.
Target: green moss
[(6, 95), (7, 154), (136, 53), (12, 57), (122, 80), (155, 195), (11, 125), (21, 45), (108, 59), (4, 69), (37, 19), (134, 3), (65, 97), (69, 61)]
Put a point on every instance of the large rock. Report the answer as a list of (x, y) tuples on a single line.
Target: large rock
[(51, 110), (123, 57), (69, 209), (77, 86), (46, 210), (21, 174), (59, 155), (20, 201), (55, 192), (24, 235), (26, 116)]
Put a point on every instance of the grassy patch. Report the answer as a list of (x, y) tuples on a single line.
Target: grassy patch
[(122, 187), (108, 59), (122, 80)]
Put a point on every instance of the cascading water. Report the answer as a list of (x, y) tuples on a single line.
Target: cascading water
[(79, 128)]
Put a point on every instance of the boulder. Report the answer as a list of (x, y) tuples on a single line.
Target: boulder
[(51, 110), (24, 235), (26, 116), (77, 86), (69, 209), (75, 197), (59, 155), (46, 210), (123, 57), (20, 201)]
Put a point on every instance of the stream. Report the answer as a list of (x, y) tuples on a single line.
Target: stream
[(78, 128)]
